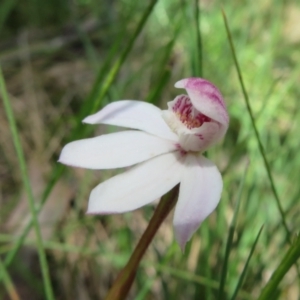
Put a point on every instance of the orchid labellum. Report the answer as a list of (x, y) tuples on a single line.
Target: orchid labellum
[(165, 147)]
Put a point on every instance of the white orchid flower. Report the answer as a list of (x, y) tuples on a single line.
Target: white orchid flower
[(166, 148)]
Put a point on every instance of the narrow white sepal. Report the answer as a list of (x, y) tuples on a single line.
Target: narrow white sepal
[(133, 114), (114, 150)]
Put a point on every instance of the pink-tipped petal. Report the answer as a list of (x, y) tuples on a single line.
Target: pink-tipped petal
[(200, 191), (136, 187), (115, 150), (206, 98), (133, 114)]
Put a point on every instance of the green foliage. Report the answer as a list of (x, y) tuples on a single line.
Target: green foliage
[(63, 60)]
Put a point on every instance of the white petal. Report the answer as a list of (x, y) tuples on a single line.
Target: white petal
[(199, 194), (138, 186), (206, 98), (200, 139), (133, 114), (115, 150), (195, 139)]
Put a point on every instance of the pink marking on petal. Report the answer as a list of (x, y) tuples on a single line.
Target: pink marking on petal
[(187, 114), (181, 150), (200, 136)]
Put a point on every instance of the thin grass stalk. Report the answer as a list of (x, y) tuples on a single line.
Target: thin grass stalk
[(243, 274), (97, 95), (257, 136), (289, 259), (27, 186), (199, 52), (154, 94), (200, 280), (12, 254), (109, 256), (116, 67), (10, 288), (142, 294), (230, 236)]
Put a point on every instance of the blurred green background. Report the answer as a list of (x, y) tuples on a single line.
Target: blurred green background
[(63, 60)]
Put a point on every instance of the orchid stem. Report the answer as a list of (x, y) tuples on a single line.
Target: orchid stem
[(123, 282)]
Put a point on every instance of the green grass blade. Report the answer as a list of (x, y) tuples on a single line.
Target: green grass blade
[(289, 259), (103, 70), (153, 96), (230, 237), (10, 288), (191, 277), (27, 186), (199, 52), (11, 255), (257, 136), (241, 279), (116, 67), (142, 294), (94, 100), (5, 8)]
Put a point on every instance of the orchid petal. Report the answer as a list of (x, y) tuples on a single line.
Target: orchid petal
[(115, 150), (200, 192), (206, 98), (133, 114), (200, 139), (138, 186), (194, 139)]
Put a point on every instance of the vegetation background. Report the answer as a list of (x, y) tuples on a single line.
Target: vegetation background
[(62, 60)]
